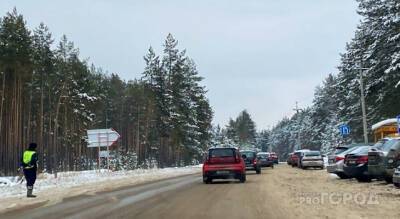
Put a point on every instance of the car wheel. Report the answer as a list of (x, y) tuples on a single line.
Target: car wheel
[(388, 179), (342, 175), (397, 185), (207, 180), (243, 178), (363, 179), (258, 170), (272, 166)]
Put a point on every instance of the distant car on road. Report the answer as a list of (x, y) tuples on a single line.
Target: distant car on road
[(274, 157), (251, 161), (297, 156), (356, 164), (223, 163), (312, 159), (336, 161), (289, 159), (265, 159), (396, 177)]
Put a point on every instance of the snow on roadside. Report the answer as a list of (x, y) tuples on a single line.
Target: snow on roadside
[(10, 188)]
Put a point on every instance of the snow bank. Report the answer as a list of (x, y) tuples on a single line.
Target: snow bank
[(9, 187), (383, 123)]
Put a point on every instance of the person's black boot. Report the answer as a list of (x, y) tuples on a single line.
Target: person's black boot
[(29, 193)]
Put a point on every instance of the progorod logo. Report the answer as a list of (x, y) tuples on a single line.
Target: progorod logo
[(338, 198)]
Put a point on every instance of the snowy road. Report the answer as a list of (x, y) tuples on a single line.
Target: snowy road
[(281, 192), (107, 204)]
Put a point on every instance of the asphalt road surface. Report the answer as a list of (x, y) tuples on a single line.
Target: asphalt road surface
[(276, 193)]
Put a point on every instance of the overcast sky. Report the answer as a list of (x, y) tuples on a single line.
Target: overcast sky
[(259, 55)]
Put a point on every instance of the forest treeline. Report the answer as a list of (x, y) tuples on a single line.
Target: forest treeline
[(374, 51), (49, 95)]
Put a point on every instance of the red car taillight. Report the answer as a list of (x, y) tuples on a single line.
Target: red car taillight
[(337, 158), (255, 161), (362, 159)]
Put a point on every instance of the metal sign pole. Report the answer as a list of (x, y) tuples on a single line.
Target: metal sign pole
[(98, 159), (108, 154), (98, 152)]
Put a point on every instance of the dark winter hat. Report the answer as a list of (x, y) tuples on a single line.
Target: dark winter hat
[(32, 146)]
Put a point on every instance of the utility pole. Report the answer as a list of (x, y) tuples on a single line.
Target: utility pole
[(363, 109), (297, 109)]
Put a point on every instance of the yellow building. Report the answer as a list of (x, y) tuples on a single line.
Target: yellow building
[(385, 128)]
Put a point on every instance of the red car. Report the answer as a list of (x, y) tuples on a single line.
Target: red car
[(294, 160), (223, 163)]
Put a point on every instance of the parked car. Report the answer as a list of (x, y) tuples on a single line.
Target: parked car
[(377, 157), (297, 156), (356, 164), (294, 159), (265, 159), (223, 163), (396, 177), (289, 159), (343, 148), (274, 157), (340, 149), (393, 160), (312, 159), (336, 161), (251, 161)]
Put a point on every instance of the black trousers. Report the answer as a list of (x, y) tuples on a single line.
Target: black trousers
[(30, 176)]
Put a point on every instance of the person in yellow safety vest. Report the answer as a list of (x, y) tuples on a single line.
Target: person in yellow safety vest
[(29, 164)]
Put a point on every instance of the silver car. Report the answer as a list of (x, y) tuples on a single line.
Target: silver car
[(336, 162), (396, 177), (312, 159)]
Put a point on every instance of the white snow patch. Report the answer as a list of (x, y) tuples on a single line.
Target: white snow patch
[(6, 181), (9, 187), (333, 176)]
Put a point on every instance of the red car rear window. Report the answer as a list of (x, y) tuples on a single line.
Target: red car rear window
[(223, 152)]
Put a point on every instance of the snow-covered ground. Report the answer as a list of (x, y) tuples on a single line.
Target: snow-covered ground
[(9, 187)]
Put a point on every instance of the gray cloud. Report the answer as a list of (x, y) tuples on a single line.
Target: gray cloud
[(261, 55)]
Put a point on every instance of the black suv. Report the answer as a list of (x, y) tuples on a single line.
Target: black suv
[(251, 161), (393, 160)]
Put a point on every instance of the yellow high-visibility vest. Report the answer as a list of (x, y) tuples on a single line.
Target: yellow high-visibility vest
[(28, 157)]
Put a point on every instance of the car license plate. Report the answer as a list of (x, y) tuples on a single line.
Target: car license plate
[(352, 161), (390, 161), (223, 172)]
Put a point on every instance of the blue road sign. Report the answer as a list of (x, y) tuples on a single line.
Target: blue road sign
[(398, 124), (345, 129)]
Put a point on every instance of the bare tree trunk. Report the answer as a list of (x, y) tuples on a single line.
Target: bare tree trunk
[(55, 132)]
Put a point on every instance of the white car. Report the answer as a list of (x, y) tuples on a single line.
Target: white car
[(396, 177), (312, 159), (336, 162)]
